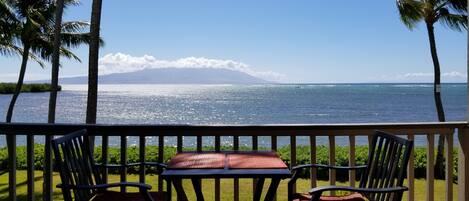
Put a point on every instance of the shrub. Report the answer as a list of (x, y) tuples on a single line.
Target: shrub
[(9, 88), (303, 157)]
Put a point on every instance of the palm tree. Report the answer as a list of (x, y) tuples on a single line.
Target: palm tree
[(8, 28), (93, 62), (30, 23), (7, 46), (55, 61), (92, 100), (34, 30), (69, 35), (453, 15)]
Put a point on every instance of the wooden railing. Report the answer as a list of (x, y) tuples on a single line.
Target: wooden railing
[(331, 131)]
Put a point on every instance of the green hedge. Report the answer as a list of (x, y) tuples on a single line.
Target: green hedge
[(302, 157), (9, 88)]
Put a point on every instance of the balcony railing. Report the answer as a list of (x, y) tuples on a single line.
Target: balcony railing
[(311, 132)]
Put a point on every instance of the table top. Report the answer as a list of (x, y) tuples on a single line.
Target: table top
[(238, 164)]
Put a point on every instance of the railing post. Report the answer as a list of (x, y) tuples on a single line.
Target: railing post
[(160, 160), (449, 166), (123, 161), (47, 185), (463, 158), (411, 171), (30, 166), (332, 174), (430, 185), (463, 164), (217, 181), (11, 142), (293, 156), (236, 181)]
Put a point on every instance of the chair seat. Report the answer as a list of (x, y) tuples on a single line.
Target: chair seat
[(349, 197), (134, 196)]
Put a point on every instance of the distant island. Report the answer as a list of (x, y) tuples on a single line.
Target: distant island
[(9, 88), (173, 76)]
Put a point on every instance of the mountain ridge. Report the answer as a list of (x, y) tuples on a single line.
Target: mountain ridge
[(173, 76)]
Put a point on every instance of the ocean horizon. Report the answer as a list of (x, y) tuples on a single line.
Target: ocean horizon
[(246, 104)]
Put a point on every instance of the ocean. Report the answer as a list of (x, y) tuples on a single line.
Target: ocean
[(245, 104)]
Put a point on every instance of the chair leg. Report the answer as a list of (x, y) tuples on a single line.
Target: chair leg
[(168, 190), (316, 196), (270, 196), (181, 195), (259, 188), (290, 190), (146, 195)]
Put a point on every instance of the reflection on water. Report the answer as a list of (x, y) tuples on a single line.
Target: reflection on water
[(245, 104)]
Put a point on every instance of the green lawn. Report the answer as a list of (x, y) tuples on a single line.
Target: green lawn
[(226, 186)]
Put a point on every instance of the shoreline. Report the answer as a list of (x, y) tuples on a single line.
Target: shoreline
[(9, 88)]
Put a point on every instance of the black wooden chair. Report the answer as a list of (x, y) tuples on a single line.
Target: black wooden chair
[(80, 175), (381, 179)]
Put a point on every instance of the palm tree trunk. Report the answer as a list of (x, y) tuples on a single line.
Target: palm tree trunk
[(439, 163), (92, 101), (19, 84), (11, 139), (55, 62), (53, 98)]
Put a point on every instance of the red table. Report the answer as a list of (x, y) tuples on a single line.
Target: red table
[(253, 164)]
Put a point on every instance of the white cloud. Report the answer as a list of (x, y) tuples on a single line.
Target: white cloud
[(122, 63), (453, 76)]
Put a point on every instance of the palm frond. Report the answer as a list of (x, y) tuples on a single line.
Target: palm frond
[(9, 49), (69, 54), (36, 20), (73, 40), (6, 11), (453, 21), (410, 11), (42, 47), (32, 24), (37, 60), (12, 50), (75, 26), (71, 3), (458, 5)]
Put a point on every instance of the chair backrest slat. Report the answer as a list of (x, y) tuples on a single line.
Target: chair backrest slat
[(76, 164), (391, 169), (386, 166)]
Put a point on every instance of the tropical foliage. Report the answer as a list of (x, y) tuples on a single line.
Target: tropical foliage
[(9, 88), (303, 157), (450, 13), (31, 25)]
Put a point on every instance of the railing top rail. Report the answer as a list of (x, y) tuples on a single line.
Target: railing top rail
[(230, 130)]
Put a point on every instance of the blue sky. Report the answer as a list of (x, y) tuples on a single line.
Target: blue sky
[(288, 41)]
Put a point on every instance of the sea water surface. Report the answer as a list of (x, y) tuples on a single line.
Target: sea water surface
[(245, 104)]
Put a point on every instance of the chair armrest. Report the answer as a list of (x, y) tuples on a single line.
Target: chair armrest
[(105, 186), (328, 167), (296, 174), (162, 165), (113, 166), (317, 192), (357, 190)]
